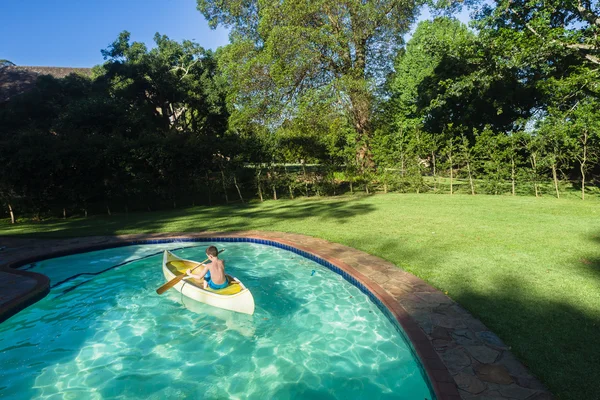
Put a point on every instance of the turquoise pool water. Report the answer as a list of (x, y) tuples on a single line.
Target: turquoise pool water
[(104, 333)]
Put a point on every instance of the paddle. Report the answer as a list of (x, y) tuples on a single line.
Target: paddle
[(178, 278)]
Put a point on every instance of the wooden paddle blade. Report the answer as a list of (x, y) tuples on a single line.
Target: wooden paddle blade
[(170, 284)]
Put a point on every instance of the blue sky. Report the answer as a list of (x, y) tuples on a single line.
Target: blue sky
[(71, 33)]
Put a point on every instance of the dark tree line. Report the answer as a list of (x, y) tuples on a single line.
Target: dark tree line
[(147, 130)]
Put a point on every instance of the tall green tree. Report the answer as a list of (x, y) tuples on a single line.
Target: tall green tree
[(283, 50), (172, 86), (555, 45), (448, 76)]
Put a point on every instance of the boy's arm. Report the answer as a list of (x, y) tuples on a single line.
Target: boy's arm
[(197, 276)]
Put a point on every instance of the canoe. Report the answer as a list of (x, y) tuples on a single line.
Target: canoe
[(235, 297)]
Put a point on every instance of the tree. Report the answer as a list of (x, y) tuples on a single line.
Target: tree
[(448, 76), (466, 157), (282, 50), (493, 152), (585, 130), (172, 86), (140, 132), (558, 146), (556, 47), (545, 32)]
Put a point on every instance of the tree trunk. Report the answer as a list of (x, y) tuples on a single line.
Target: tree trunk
[(259, 185), (108, 210), (85, 212), (208, 189), (470, 179), (434, 171), (384, 182), (351, 187), (333, 183), (224, 186), (274, 193), (360, 111), (194, 121), (64, 213), (451, 170), (498, 178), (555, 178), (305, 178), (287, 175), (512, 174), (238, 188), (534, 169), (582, 184), (402, 168), (582, 162), (12, 215)]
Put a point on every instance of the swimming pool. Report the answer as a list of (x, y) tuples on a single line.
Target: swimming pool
[(102, 332)]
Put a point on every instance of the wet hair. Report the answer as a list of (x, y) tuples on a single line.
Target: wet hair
[(212, 251)]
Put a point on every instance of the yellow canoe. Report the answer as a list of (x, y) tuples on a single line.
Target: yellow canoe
[(235, 297)]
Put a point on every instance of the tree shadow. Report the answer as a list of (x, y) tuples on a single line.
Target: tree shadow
[(196, 219), (556, 340)]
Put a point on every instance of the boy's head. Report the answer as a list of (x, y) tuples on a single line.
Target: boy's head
[(212, 251)]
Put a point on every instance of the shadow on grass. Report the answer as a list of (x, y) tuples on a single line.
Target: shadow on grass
[(196, 219), (559, 342)]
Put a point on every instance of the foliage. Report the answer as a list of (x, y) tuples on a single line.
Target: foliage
[(134, 135), (285, 52)]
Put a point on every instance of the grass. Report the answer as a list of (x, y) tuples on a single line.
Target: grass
[(528, 267)]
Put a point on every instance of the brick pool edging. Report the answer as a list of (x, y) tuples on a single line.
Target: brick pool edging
[(456, 350)]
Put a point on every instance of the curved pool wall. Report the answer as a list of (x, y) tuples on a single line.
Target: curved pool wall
[(435, 373)]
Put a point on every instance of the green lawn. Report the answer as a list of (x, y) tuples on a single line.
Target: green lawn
[(528, 268)]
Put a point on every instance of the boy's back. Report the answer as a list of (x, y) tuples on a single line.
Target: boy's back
[(217, 271)]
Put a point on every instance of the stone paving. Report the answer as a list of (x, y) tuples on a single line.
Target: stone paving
[(462, 357)]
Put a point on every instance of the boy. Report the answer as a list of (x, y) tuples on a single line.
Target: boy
[(213, 273)]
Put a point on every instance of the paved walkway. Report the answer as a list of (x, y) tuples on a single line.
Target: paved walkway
[(461, 356)]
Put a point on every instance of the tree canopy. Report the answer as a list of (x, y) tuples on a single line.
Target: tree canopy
[(283, 52)]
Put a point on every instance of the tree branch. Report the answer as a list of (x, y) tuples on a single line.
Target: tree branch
[(578, 46), (185, 70), (588, 15)]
